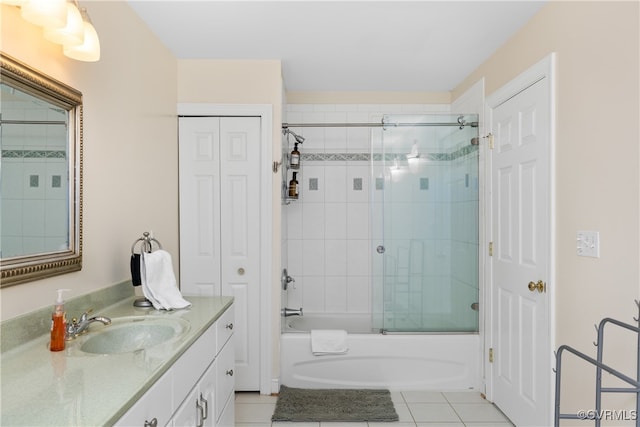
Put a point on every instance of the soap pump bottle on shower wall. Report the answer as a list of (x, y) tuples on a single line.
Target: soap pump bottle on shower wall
[(294, 158), (58, 324), (293, 187)]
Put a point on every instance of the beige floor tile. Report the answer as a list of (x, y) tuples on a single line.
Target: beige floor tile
[(254, 397), (440, 425), (404, 415), (464, 397), (292, 424), (478, 412), (254, 412), (423, 397), (432, 412)]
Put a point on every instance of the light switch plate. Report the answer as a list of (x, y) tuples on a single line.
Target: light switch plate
[(588, 244)]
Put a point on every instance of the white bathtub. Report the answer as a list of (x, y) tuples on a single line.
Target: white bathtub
[(393, 361)]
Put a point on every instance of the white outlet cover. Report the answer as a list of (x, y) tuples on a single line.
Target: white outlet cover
[(588, 244)]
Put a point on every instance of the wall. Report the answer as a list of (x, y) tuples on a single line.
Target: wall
[(130, 166), (597, 164), (244, 82)]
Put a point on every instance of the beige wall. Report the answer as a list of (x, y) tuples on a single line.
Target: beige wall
[(597, 139), (130, 166), (368, 97), (244, 82)]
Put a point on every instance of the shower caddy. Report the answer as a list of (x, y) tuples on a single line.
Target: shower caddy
[(146, 245), (597, 412)]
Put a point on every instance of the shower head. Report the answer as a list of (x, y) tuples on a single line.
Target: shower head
[(299, 139)]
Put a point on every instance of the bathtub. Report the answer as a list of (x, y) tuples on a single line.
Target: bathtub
[(393, 361)]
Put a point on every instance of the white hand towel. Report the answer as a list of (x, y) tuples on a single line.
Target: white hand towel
[(328, 341), (159, 282)]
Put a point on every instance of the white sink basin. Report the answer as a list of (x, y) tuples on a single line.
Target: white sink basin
[(129, 334)]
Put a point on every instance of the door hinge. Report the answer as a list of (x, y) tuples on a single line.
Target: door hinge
[(490, 139), (491, 355), (490, 248)]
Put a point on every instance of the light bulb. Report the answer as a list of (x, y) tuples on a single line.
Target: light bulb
[(14, 2), (46, 13), (73, 33), (89, 50)]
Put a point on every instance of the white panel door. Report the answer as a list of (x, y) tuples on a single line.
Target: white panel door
[(521, 371), (240, 237), (199, 170), (220, 225)]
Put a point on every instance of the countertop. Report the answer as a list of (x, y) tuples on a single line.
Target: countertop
[(71, 388)]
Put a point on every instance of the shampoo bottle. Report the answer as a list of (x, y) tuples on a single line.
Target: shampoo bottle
[(58, 324), (293, 187), (294, 159)]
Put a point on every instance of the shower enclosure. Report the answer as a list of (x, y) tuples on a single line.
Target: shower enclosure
[(384, 238), (424, 216), (385, 231)]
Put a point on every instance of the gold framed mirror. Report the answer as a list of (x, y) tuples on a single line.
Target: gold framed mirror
[(41, 175)]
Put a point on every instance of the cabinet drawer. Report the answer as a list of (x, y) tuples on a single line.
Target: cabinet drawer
[(190, 367), (227, 418), (224, 326), (156, 403), (225, 380)]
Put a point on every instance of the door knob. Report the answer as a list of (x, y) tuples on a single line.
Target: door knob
[(241, 271), (539, 286)]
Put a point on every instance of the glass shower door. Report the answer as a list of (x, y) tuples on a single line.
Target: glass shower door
[(425, 216)]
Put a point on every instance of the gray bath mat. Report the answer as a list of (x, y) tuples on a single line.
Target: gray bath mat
[(317, 405)]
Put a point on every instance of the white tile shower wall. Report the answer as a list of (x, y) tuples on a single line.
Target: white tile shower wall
[(34, 181), (329, 234)]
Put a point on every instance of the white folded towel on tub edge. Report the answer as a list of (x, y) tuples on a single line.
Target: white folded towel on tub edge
[(328, 341)]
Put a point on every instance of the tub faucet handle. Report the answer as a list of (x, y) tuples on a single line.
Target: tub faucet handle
[(286, 312), (286, 279)]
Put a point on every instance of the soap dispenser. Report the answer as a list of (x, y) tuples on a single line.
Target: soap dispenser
[(58, 324)]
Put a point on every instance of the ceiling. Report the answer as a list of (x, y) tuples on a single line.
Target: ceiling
[(424, 46)]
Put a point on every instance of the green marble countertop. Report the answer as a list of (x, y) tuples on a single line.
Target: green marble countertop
[(71, 388)]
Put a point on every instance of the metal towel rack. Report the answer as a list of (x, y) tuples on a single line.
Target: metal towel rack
[(146, 243), (598, 413)]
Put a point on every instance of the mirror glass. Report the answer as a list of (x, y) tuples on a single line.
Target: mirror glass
[(40, 174)]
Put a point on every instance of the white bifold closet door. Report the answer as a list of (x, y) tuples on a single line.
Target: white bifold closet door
[(219, 168)]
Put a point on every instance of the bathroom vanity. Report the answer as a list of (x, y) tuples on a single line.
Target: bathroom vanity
[(186, 380)]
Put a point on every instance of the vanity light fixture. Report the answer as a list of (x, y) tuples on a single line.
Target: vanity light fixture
[(65, 23), (89, 50), (45, 13), (71, 34)]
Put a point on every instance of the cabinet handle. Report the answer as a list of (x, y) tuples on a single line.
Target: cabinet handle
[(199, 411), (205, 414), (230, 372), (229, 326), (152, 423)]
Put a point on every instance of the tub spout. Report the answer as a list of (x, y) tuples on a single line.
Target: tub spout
[(286, 312)]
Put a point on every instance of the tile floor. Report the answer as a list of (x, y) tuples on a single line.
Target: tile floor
[(415, 408)]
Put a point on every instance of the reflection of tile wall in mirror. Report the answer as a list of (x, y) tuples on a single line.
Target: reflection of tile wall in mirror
[(40, 152)]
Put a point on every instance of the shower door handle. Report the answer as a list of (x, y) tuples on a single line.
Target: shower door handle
[(380, 249)]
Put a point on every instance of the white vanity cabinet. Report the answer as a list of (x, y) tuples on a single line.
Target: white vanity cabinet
[(197, 390)]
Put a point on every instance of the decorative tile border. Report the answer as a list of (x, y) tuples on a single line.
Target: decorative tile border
[(365, 157), (34, 154)]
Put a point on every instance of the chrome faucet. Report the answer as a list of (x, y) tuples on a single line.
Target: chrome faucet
[(286, 312), (78, 327)]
